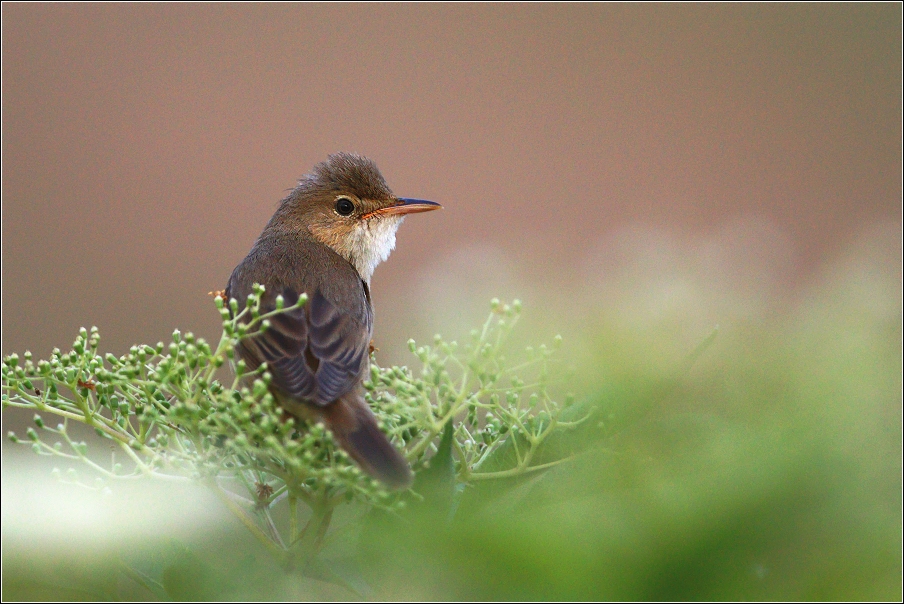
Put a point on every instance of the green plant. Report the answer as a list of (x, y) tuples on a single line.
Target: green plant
[(466, 416)]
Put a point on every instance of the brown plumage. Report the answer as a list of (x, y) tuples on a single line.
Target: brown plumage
[(325, 240)]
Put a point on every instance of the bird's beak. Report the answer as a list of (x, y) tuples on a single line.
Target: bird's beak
[(405, 205)]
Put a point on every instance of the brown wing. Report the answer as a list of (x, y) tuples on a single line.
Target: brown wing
[(315, 353)]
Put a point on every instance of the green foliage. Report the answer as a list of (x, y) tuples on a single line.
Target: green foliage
[(772, 472), (171, 418)]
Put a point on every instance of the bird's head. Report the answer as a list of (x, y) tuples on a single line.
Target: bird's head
[(345, 204)]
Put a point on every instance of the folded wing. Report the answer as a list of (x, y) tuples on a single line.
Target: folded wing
[(315, 353)]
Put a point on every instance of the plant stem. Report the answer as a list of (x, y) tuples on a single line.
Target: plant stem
[(277, 552), (293, 519), (519, 470)]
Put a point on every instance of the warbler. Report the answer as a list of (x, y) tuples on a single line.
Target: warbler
[(325, 240)]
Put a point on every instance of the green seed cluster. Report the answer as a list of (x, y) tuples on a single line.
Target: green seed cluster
[(171, 416), (474, 387)]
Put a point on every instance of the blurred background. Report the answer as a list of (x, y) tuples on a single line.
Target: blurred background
[(636, 174)]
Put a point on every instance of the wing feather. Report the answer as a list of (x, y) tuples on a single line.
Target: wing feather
[(315, 353)]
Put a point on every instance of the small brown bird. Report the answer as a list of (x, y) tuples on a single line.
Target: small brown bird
[(325, 240)]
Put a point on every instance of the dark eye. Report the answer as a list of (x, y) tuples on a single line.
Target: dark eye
[(344, 206)]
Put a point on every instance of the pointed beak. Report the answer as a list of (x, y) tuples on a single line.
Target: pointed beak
[(405, 205)]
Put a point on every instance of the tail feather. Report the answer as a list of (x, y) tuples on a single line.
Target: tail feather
[(355, 428)]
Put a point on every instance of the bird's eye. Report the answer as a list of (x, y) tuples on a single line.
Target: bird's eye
[(344, 206)]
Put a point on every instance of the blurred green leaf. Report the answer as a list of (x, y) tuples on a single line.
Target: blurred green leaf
[(188, 577), (436, 484)]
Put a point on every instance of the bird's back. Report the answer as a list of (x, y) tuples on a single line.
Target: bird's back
[(294, 261)]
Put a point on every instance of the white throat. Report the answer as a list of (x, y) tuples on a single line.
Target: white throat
[(371, 242)]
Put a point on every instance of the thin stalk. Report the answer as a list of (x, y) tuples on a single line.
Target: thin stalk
[(519, 470), (293, 519), (277, 552)]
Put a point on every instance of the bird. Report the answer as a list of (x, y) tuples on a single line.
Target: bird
[(324, 241)]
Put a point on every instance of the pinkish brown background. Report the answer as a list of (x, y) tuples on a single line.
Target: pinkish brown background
[(589, 157)]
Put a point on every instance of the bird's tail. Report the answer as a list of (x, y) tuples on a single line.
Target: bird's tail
[(355, 428)]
